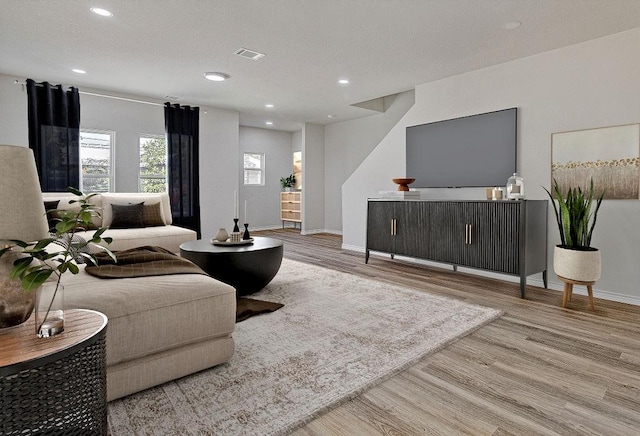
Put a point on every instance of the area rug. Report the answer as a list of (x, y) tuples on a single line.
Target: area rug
[(337, 335)]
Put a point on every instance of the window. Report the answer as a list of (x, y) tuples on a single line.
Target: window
[(96, 155), (254, 169), (153, 164)]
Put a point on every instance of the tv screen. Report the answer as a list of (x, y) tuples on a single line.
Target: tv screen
[(473, 151)]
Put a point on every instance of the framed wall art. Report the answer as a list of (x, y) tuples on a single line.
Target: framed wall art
[(608, 155)]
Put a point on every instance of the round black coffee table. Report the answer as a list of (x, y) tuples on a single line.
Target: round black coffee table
[(248, 268)]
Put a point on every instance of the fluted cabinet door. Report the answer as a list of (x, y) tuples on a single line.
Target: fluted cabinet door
[(412, 229), (379, 226), (492, 240), (447, 232)]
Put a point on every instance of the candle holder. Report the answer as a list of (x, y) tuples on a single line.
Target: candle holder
[(246, 232), (235, 225)]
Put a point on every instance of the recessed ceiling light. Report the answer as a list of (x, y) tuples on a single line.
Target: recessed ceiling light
[(216, 77), (331, 116), (511, 25), (269, 123), (269, 105), (79, 71), (343, 81), (101, 12)]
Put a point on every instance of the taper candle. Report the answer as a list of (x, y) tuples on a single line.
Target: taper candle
[(235, 204), (245, 211)]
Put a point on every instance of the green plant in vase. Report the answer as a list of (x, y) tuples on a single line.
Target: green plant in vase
[(58, 254), (288, 182)]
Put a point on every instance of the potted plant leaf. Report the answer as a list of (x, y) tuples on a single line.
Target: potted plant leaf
[(576, 215), (55, 255), (288, 182)]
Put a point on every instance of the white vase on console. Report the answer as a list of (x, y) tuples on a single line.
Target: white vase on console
[(222, 235)]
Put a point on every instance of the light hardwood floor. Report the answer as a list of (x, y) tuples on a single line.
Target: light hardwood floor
[(539, 369)]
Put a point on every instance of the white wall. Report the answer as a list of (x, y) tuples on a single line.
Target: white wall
[(313, 175), (588, 85), (219, 172), (348, 143), (264, 201), (13, 112)]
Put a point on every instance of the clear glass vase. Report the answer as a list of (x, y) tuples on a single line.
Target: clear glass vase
[(49, 309)]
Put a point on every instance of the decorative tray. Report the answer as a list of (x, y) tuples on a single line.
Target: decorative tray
[(229, 242)]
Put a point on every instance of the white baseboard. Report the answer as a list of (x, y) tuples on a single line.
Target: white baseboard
[(535, 280), (316, 231), (352, 248), (297, 226), (312, 231), (252, 229)]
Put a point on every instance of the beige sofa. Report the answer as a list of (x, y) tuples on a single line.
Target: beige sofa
[(166, 236), (161, 327)]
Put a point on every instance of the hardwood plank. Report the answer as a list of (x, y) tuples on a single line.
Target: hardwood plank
[(539, 369)]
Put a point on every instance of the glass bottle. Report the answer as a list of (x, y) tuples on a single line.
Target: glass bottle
[(515, 187)]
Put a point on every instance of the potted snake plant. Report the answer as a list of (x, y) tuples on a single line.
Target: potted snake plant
[(576, 215)]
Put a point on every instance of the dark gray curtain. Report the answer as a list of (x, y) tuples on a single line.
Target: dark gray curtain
[(182, 130), (54, 134)]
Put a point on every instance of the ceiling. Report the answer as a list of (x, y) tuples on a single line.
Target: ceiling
[(160, 48)]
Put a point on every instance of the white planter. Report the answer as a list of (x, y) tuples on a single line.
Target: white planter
[(584, 266)]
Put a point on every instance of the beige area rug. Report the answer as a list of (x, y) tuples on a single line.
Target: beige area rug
[(336, 336)]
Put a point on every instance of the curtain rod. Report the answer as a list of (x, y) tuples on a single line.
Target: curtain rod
[(133, 100)]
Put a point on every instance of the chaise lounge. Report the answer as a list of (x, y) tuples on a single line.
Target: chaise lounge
[(160, 327)]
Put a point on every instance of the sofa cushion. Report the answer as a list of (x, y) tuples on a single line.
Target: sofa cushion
[(131, 198), (127, 216), (152, 215), (149, 315), (168, 237), (63, 199)]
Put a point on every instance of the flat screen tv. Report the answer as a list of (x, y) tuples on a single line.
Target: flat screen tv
[(478, 150)]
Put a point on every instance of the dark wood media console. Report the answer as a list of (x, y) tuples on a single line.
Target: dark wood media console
[(508, 237)]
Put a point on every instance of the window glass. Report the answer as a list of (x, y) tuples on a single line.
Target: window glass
[(96, 155), (253, 168), (153, 164)]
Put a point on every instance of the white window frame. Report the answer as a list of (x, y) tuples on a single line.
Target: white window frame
[(112, 148), (165, 177), (261, 169)]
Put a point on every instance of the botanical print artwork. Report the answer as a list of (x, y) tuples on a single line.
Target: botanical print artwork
[(608, 155)]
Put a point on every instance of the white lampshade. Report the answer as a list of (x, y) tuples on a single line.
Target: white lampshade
[(22, 214)]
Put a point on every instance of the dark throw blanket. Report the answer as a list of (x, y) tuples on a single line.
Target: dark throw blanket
[(141, 262), (248, 307)]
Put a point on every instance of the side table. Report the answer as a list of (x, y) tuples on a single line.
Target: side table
[(56, 385)]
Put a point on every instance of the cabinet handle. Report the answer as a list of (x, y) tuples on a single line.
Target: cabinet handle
[(470, 234), (395, 227), (391, 222), (466, 234)]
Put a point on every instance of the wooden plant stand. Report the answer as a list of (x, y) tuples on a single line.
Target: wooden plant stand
[(568, 291)]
